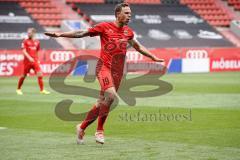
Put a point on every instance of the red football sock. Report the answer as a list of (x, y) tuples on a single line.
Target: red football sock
[(91, 117), (103, 114), (20, 82), (40, 82)]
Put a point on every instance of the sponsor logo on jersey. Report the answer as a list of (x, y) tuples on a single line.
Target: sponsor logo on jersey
[(125, 32)]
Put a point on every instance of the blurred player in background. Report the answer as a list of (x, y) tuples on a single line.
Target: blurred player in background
[(30, 47), (114, 39)]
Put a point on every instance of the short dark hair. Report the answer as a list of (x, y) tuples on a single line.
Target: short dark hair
[(118, 7)]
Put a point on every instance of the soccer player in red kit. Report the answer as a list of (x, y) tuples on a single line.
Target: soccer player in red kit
[(30, 47), (114, 39)]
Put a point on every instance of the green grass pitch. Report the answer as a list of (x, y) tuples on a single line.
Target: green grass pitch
[(208, 127)]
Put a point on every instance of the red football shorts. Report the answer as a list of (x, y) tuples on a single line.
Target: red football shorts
[(108, 78), (35, 66)]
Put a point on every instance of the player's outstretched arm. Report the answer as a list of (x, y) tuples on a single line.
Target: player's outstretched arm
[(144, 51), (71, 34)]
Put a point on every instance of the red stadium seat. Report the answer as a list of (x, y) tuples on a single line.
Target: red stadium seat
[(84, 1), (210, 11), (234, 3), (74, 7)]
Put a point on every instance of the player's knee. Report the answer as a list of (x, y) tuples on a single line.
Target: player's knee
[(110, 97), (101, 100)]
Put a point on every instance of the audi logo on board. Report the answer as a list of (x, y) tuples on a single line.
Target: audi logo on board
[(197, 54), (61, 56)]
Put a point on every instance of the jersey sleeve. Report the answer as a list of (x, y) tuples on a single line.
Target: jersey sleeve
[(131, 35), (96, 30)]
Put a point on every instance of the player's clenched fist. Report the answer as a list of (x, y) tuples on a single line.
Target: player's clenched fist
[(52, 34)]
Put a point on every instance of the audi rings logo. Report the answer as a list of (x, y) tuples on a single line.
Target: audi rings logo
[(61, 56), (134, 56), (197, 54)]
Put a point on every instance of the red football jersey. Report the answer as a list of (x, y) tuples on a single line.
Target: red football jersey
[(114, 42), (32, 47)]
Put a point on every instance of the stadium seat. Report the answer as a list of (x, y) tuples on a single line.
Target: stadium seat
[(40, 7), (209, 10), (13, 41), (234, 3), (143, 1), (84, 1)]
